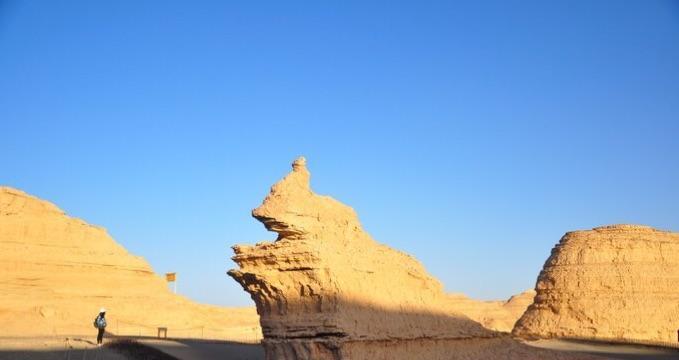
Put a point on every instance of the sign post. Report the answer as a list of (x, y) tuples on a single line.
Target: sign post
[(172, 277)]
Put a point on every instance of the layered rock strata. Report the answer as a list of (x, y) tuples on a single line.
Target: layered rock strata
[(324, 289), (57, 271), (618, 282), (493, 315)]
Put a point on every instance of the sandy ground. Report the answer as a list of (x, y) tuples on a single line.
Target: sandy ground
[(120, 349), (200, 350), (85, 349), (608, 351), (54, 348)]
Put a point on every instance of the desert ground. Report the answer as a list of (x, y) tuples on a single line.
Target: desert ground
[(339, 180), (325, 289), (190, 349)]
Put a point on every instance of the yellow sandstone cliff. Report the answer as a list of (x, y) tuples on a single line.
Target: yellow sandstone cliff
[(57, 271), (618, 282)]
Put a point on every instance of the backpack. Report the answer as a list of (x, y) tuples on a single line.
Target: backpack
[(99, 322)]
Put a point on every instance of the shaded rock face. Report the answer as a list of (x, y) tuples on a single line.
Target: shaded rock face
[(56, 272), (614, 282), (326, 290), (493, 315)]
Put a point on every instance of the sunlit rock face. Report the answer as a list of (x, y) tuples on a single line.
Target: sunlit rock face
[(613, 282), (493, 315), (326, 290), (326, 280), (56, 272)]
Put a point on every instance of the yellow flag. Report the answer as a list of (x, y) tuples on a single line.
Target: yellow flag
[(170, 277)]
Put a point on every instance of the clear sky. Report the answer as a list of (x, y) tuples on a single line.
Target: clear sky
[(471, 135)]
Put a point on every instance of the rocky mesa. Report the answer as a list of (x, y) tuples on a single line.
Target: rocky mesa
[(324, 289), (57, 271), (617, 282)]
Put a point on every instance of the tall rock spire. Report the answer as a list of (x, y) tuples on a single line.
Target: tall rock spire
[(325, 284)]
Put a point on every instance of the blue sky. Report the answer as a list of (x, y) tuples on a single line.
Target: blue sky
[(471, 135)]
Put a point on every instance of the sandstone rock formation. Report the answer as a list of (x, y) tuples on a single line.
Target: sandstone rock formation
[(494, 315), (324, 289), (618, 282), (57, 271)]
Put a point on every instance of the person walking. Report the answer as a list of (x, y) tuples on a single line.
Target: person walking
[(100, 324)]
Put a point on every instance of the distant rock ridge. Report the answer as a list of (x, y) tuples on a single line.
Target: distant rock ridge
[(324, 289), (57, 271), (493, 315), (616, 282)]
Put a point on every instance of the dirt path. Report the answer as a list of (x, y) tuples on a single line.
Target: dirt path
[(54, 349), (81, 349), (204, 350), (608, 351)]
